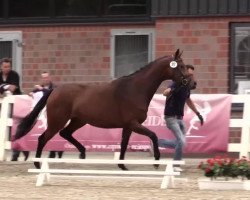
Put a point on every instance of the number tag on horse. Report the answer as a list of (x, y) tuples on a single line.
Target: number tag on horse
[(173, 64)]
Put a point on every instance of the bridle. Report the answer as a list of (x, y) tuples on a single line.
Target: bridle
[(184, 80)]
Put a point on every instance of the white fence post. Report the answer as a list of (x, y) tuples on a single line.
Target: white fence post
[(5, 123), (245, 134), (244, 146)]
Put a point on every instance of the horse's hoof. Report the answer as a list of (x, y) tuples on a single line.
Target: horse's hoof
[(37, 165), (122, 166), (82, 156), (156, 166)]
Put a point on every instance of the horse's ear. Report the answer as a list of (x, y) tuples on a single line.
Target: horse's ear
[(176, 55), (180, 54)]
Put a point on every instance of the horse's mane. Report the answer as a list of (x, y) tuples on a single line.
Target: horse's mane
[(144, 68)]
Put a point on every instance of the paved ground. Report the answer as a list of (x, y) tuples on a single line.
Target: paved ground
[(17, 183)]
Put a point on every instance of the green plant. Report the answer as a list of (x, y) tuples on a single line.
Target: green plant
[(226, 167)]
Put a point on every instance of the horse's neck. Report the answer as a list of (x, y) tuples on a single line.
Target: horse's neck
[(149, 82)]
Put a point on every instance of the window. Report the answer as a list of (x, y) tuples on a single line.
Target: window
[(73, 11), (77, 7), (11, 46), (1, 8), (131, 50), (28, 8), (126, 7), (5, 49), (240, 58)]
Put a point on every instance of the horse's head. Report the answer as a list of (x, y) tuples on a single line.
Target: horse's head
[(181, 74)]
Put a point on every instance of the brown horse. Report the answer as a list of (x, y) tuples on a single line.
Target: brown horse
[(122, 103)]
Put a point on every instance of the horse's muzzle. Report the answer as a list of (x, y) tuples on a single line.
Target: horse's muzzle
[(193, 86)]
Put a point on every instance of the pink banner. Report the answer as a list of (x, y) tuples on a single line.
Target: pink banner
[(211, 137)]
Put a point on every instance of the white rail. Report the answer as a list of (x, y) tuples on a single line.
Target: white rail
[(167, 176)]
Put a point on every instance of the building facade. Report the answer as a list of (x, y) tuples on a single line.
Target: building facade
[(97, 41)]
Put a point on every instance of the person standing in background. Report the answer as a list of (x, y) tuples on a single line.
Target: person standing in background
[(46, 85), (9, 79), (9, 82)]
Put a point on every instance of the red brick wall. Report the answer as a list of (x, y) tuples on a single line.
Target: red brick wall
[(205, 42), (71, 54)]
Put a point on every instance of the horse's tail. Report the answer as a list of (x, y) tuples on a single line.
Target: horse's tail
[(28, 122)]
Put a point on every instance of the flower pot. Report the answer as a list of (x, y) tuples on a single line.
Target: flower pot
[(233, 184)]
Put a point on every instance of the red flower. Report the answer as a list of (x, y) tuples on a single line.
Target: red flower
[(207, 170), (226, 166)]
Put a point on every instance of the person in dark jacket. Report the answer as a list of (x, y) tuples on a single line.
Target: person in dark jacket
[(9, 82), (9, 79), (46, 84)]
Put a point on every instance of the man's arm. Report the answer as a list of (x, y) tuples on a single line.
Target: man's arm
[(193, 108), (14, 78), (13, 81), (168, 92), (191, 105)]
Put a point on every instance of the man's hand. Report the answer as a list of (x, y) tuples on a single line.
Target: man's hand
[(167, 92), (200, 118), (38, 87), (12, 88)]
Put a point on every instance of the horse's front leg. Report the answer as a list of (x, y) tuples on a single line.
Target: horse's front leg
[(126, 133), (138, 128)]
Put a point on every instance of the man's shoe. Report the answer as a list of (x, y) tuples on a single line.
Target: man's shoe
[(13, 159), (178, 169)]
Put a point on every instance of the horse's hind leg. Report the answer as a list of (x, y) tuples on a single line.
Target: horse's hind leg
[(126, 133), (67, 132), (42, 141)]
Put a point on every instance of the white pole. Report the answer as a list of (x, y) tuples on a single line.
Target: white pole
[(4, 124)]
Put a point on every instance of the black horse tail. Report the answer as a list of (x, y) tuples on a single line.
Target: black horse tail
[(28, 122)]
